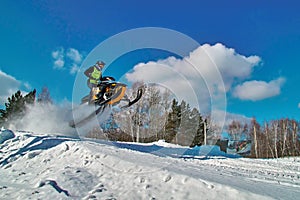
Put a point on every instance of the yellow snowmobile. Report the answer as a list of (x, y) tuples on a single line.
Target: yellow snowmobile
[(107, 93)]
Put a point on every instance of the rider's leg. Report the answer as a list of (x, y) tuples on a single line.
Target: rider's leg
[(91, 86)]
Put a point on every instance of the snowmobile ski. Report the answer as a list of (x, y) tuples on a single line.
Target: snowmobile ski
[(137, 98), (80, 123)]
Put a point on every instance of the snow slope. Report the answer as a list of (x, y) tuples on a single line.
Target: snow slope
[(59, 167)]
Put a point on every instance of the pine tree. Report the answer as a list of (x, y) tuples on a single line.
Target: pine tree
[(188, 124), (44, 96), (16, 106), (199, 137), (173, 121), (192, 125), (30, 97), (13, 107)]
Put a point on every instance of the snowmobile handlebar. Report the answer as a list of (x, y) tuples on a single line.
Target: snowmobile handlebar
[(107, 78)]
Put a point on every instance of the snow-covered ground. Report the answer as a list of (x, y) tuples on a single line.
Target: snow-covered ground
[(59, 167)]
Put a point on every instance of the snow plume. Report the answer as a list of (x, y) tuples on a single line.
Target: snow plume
[(83, 111), (46, 119)]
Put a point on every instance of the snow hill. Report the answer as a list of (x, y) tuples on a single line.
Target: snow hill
[(36, 166)]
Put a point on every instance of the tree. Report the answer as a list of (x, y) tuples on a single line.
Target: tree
[(183, 131), (173, 121), (194, 131), (154, 114), (145, 120), (200, 134), (155, 117), (235, 130), (183, 125), (255, 132), (212, 131), (295, 138), (44, 96), (131, 121), (16, 106), (30, 97), (288, 143)]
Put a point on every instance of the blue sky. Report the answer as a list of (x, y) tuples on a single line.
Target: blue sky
[(35, 34)]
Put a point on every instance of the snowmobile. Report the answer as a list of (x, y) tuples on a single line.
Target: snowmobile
[(108, 93)]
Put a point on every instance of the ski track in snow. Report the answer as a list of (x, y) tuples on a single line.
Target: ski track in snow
[(58, 167)]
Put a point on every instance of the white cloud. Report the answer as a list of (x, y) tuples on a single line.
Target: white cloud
[(161, 73), (57, 53), (58, 56), (59, 64), (69, 59), (74, 55), (298, 105), (9, 85), (74, 69), (209, 72), (27, 86), (258, 90), (229, 117), (230, 64)]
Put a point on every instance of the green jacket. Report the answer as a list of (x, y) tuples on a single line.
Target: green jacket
[(94, 74)]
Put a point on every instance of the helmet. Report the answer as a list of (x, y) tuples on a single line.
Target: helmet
[(100, 64)]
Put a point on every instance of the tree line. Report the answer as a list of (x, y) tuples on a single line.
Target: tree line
[(159, 116), (18, 104), (272, 139)]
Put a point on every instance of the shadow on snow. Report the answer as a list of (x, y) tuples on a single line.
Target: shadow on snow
[(198, 152), (38, 143)]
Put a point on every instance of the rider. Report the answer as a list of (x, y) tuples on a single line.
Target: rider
[(94, 73)]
